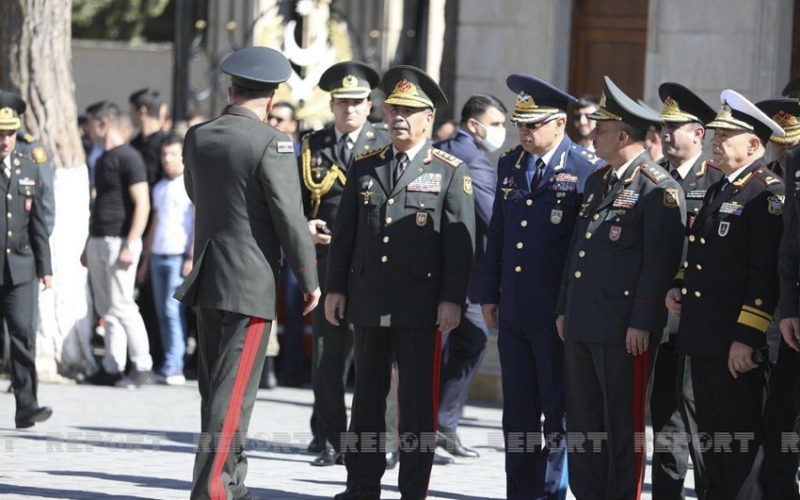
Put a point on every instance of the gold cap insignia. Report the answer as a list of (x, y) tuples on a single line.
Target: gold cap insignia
[(670, 106), (6, 113), (524, 101), (784, 119), (405, 88), (603, 99), (349, 81)]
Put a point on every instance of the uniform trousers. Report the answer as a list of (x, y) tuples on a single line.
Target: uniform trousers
[(673, 416), (730, 426), (231, 349), (463, 352), (417, 353), (16, 308), (332, 356), (781, 413), (532, 363), (113, 289), (606, 388)]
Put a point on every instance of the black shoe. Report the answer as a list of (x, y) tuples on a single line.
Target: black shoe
[(442, 460), (136, 379), (268, 379), (28, 417), (328, 457), (359, 494), (316, 445), (450, 442), (392, 457), (102, 377)]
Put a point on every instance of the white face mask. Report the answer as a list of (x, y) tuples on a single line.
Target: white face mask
[(495, 137)]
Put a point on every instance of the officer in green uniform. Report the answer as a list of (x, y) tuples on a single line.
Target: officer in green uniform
[(25, 256), (242, 176), (727, 298), (625, 250), (399, 266), (684, 116), (326, 155)]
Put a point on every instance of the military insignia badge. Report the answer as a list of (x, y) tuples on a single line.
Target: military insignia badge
[(426, 183), (468, 184), (615, 233), (733, 208), (556, 216), (724, 227), (39, 154), (422, 219), (775, 205), (285, 147), (759, 302), (365, 192), (672, 198)]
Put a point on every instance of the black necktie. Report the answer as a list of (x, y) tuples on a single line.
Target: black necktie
[(675, 174), (720, 188), (537, 176), (400, 164), (344, 148), (612, 181)]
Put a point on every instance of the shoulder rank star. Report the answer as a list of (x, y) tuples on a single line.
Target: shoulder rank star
[(365, 191)]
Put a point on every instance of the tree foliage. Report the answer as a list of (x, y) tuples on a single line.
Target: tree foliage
[(130, 20)]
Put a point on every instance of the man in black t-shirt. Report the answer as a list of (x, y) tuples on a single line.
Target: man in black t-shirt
[(145, 108), (112, 252)]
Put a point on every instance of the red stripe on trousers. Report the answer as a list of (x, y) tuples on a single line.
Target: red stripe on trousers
[(641, 372), (231, 422)]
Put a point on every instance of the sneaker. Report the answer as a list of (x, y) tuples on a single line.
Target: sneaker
[(177, 379), (135, 379)]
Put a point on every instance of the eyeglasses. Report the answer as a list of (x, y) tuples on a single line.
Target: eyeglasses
[(534, 126)]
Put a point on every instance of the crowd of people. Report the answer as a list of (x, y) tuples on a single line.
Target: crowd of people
[(640, 264)]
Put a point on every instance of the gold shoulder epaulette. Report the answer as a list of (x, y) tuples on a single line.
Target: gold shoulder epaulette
[(447, 158), (652, 173), (767, 176), (509, 151), (372, 152), (28, 138)]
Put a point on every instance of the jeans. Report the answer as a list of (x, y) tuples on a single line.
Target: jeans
[(165, 275)]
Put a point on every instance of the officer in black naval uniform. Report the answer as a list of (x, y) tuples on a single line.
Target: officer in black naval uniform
[(242, 176), (625, 251), (727, 297), (326, 156), (539, 190), (672, 409), (783, 401), (26, 258), (399, 266)]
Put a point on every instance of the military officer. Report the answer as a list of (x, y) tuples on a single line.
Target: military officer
[(783, 401), (727, 297), (399, 265), (242, 176), (539, 191), (683, 116), (624, 252), (26, 258), (481, 131), (326, 156)]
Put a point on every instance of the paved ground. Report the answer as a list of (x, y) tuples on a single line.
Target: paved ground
[(107, 443)]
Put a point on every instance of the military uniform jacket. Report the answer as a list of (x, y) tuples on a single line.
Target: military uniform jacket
[(398, 250), (484, 179), (530, 232), (23, 232), (789, 255), (34, 150), (730, 286), (324, 172), (242, 176), (624, 254), (695, 185)]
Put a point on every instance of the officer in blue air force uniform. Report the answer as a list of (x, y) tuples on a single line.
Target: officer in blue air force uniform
[(626, 249), (728, 295), (539, 192)]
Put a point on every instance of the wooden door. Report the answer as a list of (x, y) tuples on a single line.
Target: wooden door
[(796, 40), (609, 37)]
